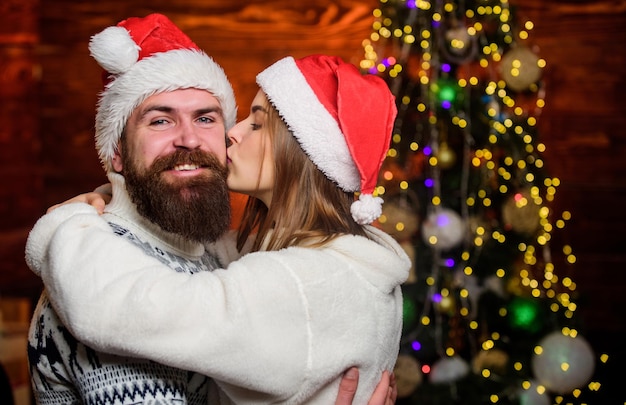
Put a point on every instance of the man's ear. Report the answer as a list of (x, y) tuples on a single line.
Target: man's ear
[(116, 161)]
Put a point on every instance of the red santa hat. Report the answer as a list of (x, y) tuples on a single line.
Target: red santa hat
[(145, 56), (342, 119)]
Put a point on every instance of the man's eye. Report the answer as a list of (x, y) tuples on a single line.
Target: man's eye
[(206, 120), (158, 122)]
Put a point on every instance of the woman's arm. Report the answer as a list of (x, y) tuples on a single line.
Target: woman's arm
[(115, 298), (97, 199)]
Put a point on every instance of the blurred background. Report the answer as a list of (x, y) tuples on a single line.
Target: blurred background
[(49, 86)]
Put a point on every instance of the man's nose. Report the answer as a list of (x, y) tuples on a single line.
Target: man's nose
[(187, 137)]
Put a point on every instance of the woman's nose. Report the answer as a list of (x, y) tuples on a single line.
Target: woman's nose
[(233, 135)]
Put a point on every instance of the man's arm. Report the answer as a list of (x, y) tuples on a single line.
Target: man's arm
[(385, 393)]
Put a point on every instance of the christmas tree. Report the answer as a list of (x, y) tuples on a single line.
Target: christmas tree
[(490, 305)]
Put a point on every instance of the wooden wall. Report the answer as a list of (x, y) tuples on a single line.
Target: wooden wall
[(48, 86)]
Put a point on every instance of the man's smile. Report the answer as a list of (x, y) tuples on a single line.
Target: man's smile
[(186, 167)]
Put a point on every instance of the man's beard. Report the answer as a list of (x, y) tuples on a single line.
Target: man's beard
[(197, 208)]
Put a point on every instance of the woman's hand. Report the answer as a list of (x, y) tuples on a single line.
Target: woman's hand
[(97, 199)]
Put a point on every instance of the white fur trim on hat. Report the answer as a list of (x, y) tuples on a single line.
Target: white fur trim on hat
[(314, 127)]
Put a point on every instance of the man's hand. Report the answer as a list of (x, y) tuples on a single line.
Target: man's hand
[(385, 393)]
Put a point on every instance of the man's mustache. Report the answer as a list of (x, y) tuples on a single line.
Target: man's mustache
[(183, 157)]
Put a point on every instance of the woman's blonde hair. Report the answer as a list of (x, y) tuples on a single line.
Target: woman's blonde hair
[(306, 207)]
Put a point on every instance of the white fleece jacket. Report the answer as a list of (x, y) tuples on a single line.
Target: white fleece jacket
[(273, 327)]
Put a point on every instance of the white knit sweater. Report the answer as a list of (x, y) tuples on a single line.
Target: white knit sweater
[(273, 327)]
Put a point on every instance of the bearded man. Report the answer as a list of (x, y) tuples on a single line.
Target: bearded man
[(160, 134)]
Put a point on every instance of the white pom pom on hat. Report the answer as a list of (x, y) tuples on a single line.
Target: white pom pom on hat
[(114, 50), (342, 119), (142, 56)]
